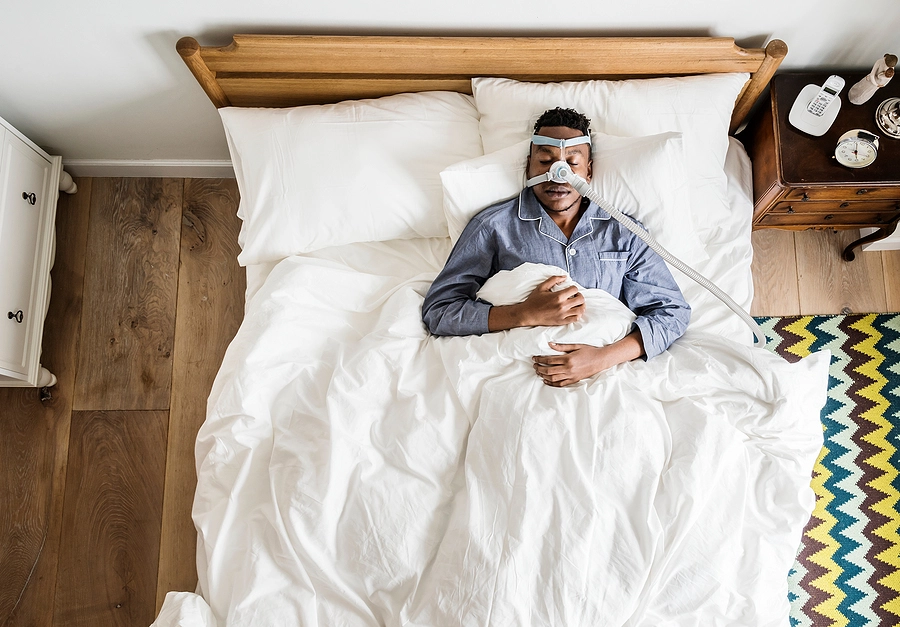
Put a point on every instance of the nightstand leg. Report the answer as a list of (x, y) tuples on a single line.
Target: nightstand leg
[(868, 239)]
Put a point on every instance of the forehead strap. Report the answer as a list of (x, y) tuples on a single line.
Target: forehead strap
[(562, 144)]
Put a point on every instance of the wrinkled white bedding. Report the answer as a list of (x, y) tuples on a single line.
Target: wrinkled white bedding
[(355, 471)]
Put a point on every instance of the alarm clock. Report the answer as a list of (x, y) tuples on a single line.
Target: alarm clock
[(856, 148)]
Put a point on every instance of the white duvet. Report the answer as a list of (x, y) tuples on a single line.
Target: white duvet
[(354, 470)]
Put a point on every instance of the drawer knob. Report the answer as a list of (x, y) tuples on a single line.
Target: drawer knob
[(860, 192), (31, 198), (790, 209), (845, 204), (829, 216), (805, 197), (18, 316)]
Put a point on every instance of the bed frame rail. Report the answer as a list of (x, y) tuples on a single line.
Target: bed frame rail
[(285, 71)]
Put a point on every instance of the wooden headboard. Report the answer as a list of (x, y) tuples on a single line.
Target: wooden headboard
[(285, 71)]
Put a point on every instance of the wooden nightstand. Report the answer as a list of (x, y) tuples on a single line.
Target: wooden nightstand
[(798, 185)]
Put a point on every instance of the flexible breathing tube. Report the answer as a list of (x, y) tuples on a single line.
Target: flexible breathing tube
[(561, 172)]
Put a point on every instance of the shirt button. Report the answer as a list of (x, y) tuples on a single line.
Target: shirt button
[(572, 252)]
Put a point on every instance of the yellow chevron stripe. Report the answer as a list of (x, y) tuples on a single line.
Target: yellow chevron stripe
[(801, 348), (881, 460), (824, 557)]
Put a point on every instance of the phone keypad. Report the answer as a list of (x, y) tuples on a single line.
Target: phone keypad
[(818, 106)]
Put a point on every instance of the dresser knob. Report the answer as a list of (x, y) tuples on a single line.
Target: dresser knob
[(860, 192), (845, 204), (829, 216), (18, 316), (31, 198), (805, 197), (790, 209)]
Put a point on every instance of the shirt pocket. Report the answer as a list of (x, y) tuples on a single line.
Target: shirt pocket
[(611, 268)]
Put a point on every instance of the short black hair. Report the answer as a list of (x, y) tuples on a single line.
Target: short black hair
[(564, 117)]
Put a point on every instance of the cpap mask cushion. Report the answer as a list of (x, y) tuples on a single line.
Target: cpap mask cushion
[(562, 144)]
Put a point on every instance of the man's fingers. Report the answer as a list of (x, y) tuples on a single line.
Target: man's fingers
[(568, 293), (574, 314), (559, 384), (564, 348), (550, 360), (551, 370), (554, 280)]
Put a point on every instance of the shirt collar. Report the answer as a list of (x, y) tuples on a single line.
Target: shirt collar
[(530, 209)]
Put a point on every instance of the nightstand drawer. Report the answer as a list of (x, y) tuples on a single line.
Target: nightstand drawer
[(842, 193), (837, 220), (835, 206)]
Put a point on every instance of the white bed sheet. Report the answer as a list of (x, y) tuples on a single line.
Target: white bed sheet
[(355, 471)]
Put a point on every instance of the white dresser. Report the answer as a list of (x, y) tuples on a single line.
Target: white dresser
[(30, 181)]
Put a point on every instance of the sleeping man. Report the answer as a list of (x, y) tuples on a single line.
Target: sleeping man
[(550, 223)]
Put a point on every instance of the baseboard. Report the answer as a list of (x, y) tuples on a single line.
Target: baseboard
[(168, 168)]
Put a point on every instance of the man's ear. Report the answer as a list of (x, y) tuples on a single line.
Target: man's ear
[(528, 164), (590, 170)]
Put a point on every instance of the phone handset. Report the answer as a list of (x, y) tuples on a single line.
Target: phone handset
[(826, 95)]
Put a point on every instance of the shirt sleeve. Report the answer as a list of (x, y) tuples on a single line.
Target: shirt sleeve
[(451, 307), (651, 292)]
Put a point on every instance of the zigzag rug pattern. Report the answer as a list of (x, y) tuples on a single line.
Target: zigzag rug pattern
[(847, 571)]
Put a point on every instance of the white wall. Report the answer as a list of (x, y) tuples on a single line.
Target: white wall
[(100, 79)]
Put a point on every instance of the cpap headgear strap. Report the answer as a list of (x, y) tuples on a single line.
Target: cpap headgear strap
[(562, 144)]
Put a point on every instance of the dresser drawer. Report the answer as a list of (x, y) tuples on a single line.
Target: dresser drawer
[(837, 219), (836, 206), (24, 208), (843, 193)]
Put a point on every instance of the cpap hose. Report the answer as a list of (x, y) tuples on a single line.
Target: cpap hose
[(561, 172)]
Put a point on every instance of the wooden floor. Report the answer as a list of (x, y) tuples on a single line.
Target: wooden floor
[(96, 483)]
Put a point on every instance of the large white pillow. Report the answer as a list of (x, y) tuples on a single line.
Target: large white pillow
[(643, 177), (699, 107), (357, 171)]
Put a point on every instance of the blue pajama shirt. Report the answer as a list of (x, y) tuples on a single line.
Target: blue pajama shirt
[(600, 254)]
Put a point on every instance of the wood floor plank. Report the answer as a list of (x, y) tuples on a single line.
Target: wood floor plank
[(775, 286), (131, 282), (210, 309), (34, 437), (830, 285), (890, 261), (113, 506)]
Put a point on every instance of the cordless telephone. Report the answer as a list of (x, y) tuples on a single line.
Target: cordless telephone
[(816, 108)]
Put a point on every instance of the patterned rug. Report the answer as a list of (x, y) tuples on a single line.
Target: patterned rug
[(847, 570)]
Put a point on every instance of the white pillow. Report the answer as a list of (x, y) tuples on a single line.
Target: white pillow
[(699, 107), (357, 171), (643, 177)]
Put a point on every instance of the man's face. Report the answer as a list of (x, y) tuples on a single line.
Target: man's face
[(558, 197)]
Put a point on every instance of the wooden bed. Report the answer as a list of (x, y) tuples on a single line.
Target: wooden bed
[(285, 71)]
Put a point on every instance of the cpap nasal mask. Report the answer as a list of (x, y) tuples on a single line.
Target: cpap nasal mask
[(562, 144), (561, 172)]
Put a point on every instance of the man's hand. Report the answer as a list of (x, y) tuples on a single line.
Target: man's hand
[(542, 308), (580, 361)]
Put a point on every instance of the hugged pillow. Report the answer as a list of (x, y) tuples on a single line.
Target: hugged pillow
[(605, 320), (699, 107), (357, 171), (643, 177)]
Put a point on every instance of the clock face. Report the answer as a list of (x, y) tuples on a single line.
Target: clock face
[(855, 153)]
